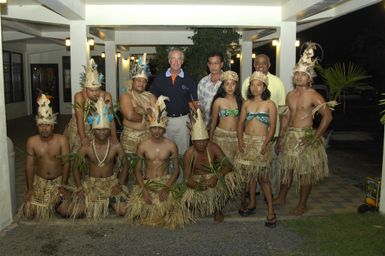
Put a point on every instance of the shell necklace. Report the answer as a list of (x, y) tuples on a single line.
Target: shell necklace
[(101, 163)]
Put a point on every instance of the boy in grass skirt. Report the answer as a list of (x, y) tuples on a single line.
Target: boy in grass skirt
[(302, 158), (208, 176), (46, 174), (102, 187), (155, 200)]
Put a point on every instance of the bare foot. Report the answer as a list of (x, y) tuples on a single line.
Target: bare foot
[(278, 201), (298, 211), (218, 217)]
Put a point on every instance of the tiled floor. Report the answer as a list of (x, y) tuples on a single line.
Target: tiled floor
[(333, 195)]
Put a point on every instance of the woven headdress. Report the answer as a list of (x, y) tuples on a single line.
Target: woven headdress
[(158, 115), (307, 61), (101, 117), (44, 111), (91, 78), (258, 75), (198, 126), (229, 75)]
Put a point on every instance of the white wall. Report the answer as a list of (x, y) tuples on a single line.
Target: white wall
[(5, 186)]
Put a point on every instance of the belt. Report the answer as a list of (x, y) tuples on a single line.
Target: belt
[(176, 115)]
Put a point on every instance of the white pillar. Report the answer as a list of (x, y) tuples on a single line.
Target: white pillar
[(246, 59), (79, 53), (286, 53), (124, 72), (111, 60), (5, 185), (382, 196)]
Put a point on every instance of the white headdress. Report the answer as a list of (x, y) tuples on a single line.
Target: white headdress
[(91, 78), (44, 111), (198, 126), (307, 61), (158, 115), (101, 117)]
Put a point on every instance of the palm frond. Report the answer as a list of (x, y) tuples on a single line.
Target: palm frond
[(78, 161), (341, 75)]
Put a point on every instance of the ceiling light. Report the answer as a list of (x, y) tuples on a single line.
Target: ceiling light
[(275, 42), (297, 42), (103, 55), (253, 55), (118, 54), (67, 41), (91, 41)]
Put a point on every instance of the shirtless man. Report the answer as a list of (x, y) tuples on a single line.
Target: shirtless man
[(153, 200), (46, 174), (78, 130), (302, 156), (204, 195), (101, 188), (133, 106)]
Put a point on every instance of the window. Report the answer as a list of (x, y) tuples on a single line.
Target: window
[(13, 77)]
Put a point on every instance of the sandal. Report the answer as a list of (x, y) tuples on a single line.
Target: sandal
[(247, 211), (271, 223)]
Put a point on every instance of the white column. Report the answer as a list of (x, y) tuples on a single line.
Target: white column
[(382, 196), (79, 53), (111, 61), (246, 59), (286, 53), (5, 186), (124, 72)]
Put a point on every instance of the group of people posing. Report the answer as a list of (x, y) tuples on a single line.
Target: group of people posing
[(239, 136)]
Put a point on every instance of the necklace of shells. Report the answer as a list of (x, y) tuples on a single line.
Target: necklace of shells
[(101, 163)]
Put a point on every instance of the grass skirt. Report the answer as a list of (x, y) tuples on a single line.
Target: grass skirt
[(251, 163), (130, 138), (227, 141), (44, 199), (71, 132), (97, 193), (309, 165), (203, 203), (169, 213)]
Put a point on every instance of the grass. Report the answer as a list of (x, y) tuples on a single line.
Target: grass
[(340, 234)]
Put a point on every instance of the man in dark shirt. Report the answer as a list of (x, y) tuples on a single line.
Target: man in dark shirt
[(181, 89)]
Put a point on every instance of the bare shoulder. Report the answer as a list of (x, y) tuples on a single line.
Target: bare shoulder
[(213, 146), (60, 138), (169, 143), (270, 103), (79, 97), (32, 140), (188, 153)]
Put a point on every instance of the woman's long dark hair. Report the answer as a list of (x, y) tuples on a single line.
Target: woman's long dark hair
[(221, 93), (265, 95)]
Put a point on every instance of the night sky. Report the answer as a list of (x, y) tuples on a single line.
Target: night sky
[(358, 37)]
